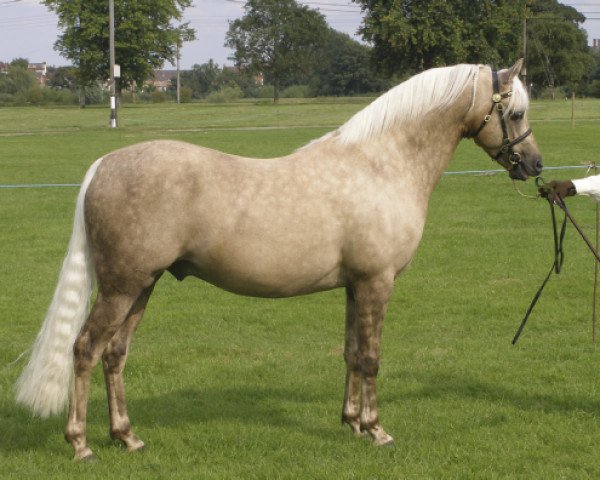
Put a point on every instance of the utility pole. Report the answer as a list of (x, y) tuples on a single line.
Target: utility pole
[(177, 47), (184, 34), (111, 48)]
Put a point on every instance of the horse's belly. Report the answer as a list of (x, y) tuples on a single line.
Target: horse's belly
[(273, 275)]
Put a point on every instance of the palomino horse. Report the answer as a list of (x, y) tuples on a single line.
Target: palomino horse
[(347, 210)]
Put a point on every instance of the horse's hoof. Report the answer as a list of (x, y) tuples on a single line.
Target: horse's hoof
[(91, 458), (136, 446), (141, 449), (383, 440)]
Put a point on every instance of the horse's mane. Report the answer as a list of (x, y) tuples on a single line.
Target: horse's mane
[(430, 90)]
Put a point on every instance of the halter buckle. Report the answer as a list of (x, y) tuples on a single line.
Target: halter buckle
[(496, 98)]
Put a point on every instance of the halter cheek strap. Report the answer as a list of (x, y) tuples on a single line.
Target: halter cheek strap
[(513, 157)]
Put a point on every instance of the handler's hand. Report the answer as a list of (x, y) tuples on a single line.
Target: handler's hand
[(556, 188)]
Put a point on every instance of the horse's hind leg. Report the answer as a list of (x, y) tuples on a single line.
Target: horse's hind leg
[(107, 315), (113, 362)]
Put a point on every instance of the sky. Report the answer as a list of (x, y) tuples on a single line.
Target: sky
[(28, 29)]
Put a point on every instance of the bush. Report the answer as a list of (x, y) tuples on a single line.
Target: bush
[(34, 96), (185, 95), (266, 91), (94, 94), (593, 89), (6, 99), (158, 97), (297, 91), (56, 96), (225, 94)]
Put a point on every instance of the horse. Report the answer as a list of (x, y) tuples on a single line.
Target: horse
[(345, 211)]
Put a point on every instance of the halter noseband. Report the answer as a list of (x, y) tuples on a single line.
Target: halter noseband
[(513, 157)]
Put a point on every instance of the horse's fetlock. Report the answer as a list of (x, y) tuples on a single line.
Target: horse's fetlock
[(73, 434), (121, 432), (370, 366), (370, 425)]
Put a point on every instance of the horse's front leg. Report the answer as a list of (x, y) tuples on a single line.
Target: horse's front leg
[(351, 407), (371, 300)]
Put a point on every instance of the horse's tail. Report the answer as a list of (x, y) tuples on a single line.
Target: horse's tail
[(45, 381)]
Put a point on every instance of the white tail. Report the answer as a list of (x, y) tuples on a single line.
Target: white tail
[(44, 384)]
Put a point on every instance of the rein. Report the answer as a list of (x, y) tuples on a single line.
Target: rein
[(559, 256), (506, 148)]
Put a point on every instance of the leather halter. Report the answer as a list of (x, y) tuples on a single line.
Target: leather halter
[(506, 149)]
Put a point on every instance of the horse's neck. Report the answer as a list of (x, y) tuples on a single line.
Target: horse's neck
[(417, 153)]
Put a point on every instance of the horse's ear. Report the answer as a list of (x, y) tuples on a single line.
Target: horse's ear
[(515, 69)]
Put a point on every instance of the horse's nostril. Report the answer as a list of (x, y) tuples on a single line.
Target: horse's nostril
[(539, 165)]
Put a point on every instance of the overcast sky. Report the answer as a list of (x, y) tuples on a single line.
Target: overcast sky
[(29, 30)]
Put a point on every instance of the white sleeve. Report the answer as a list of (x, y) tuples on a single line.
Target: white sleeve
[(588, 186)]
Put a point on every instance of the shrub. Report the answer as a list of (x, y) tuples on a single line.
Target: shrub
[(56, 96), (266, 91), (297, 91), (225, 94), (158, 97), (185, 95), (34, 96)]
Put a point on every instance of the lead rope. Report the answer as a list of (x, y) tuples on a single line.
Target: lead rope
[(559, 253), (559, 257)]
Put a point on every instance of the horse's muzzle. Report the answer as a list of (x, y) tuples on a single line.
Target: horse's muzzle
[(528, 167)]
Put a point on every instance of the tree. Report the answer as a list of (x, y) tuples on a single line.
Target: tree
[(344, 68), (202, 79), (19, 85), (557, 47), (144, 36), (411, 36), (62, 78), (593, 79), (277, 38)]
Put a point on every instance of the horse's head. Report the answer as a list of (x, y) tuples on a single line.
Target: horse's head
[(498, 123)]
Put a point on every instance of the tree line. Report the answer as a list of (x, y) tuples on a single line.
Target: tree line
[(411, 36), (294, 50)]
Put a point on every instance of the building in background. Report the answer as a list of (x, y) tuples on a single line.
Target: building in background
[(40, 71)]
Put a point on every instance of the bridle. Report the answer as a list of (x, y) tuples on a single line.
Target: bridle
[(506, 149)]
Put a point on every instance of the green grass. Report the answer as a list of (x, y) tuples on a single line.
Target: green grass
[(221, 386)]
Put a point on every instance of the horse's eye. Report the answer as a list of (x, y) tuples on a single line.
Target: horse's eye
[(517, 115)]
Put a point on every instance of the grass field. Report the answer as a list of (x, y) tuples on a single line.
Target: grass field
[(221, 386)]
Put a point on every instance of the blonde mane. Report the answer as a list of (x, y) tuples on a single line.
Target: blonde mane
[(430, 90), (519, 100)]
